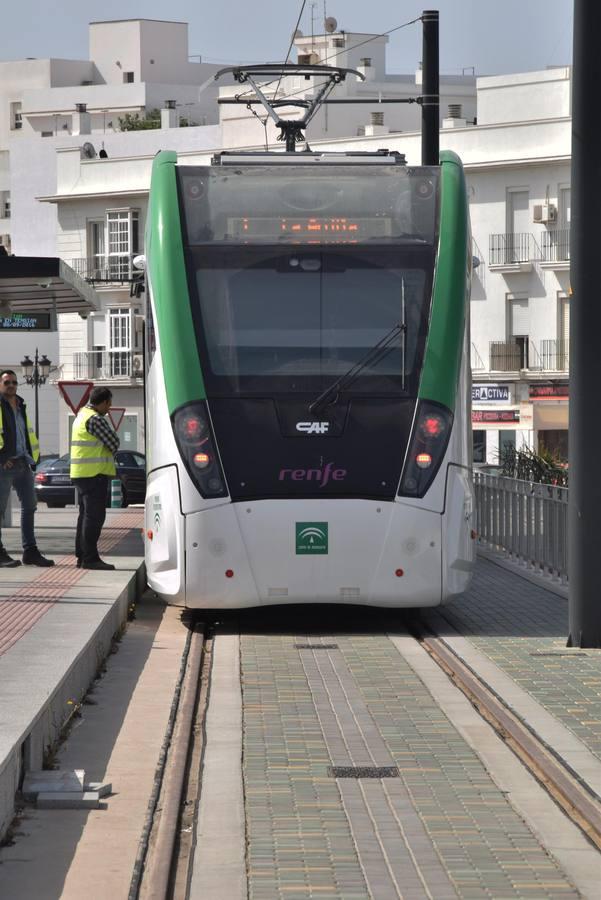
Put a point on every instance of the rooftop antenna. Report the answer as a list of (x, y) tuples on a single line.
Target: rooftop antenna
[(330, 24)]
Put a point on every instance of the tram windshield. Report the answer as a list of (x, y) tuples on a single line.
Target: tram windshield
[(295, 321), (281, 314)]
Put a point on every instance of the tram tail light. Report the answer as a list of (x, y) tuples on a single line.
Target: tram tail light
[(196, 445), (429, 439)]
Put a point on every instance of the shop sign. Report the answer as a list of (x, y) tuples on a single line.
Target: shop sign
[(490, 393), (487, 416), (545, 391)]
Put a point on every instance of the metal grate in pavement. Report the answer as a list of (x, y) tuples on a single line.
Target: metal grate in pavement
[(316, 646), (363, 771)]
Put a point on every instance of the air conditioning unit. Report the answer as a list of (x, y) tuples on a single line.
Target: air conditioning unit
[(137, 366), (545, 213)]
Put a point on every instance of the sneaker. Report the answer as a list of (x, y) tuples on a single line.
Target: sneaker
[(98, 564), (33, 557), (6, 561)]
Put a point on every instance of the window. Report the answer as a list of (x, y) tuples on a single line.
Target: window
[(479, 443), (518, 329), (123, 230), (506, 443), (128, 77), (96, 248), (120, 341), (5, 210), (16, 118)]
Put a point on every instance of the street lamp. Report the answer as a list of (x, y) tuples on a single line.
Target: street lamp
[(36, 372)]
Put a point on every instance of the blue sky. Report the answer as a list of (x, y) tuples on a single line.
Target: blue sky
[(511, 36)]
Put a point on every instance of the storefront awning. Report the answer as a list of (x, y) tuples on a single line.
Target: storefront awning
[(43, 284)]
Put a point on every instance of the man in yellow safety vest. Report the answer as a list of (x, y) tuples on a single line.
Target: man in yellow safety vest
[(93, 448), (19, 451)]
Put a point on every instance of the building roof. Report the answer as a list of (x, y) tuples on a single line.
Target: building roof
[(43, 284)]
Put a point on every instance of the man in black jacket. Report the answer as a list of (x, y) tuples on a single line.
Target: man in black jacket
[(19, 452)]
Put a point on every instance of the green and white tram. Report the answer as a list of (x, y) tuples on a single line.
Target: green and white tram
[(308, 380)]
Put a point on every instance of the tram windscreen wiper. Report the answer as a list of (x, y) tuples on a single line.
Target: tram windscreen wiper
[(372, 357)]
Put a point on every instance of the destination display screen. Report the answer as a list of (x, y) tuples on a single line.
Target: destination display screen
[(309, 204), (26, 321), (308, 229)]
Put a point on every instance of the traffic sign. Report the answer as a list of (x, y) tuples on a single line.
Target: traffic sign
[(75, 393), (115, 415)]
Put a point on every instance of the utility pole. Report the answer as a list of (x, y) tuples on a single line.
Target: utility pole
[(430, 89), (585, 332)]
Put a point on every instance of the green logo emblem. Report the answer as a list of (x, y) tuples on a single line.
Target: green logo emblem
[(311, 537)]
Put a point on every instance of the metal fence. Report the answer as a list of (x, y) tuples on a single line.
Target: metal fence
[(527, 521)]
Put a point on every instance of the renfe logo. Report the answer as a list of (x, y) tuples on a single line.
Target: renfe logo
[(321, 476), (313, 427)]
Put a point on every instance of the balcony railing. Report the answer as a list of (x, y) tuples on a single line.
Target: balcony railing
[(508, 356), (521, 353), (110, 269), (555, 245), (106, 365), (555, 355), (511, 249)]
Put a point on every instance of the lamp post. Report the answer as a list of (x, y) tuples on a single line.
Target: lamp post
[(35, 373)]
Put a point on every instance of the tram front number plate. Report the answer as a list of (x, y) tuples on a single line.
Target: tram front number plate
[(311, 538)]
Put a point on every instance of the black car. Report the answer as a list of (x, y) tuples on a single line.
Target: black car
[(53, 483)]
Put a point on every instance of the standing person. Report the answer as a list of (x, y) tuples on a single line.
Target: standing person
[(93, 448), (19, 451)]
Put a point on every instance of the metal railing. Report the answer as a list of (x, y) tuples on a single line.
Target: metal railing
[(508, 356), (111, 269), (555, 245), (527, 521), (555, 355), (512, 248), (477, 363), (106, 365)]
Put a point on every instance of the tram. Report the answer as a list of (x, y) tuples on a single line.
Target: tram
[(308, 432)]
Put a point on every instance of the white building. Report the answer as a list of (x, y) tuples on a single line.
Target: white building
[(48, 105), (517, 161)]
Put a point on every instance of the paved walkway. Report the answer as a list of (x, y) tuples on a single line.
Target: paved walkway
[(523, 629)]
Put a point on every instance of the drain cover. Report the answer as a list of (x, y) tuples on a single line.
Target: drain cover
[(316, 646), (363, 771)]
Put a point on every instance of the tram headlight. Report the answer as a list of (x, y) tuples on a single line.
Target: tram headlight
[(429, 439), (196, 445)]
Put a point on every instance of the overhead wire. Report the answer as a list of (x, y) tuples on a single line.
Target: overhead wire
[(333, 56), (302, 9)]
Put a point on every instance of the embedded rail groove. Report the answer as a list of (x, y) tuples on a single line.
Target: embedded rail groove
[(574, 797), (159, 864)]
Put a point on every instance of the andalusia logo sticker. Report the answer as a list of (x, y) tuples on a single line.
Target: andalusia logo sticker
[(311, 537)]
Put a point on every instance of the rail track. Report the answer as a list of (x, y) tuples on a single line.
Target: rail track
[(164, 863)]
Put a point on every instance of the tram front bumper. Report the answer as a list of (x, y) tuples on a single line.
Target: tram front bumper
[(314, 551)]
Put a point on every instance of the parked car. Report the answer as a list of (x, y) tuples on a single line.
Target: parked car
[(53, 484)]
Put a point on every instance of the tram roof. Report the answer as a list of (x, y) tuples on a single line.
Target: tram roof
[(44, 284)]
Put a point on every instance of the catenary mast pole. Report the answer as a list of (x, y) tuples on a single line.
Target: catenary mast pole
[(430, 88), (585, 331)]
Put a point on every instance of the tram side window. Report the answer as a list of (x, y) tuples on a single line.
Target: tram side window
[(479, 442)]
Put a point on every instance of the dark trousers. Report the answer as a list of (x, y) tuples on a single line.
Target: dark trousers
[(91, 494)]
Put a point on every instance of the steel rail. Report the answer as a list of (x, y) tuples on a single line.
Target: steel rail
[(576, 799), (155, 863)]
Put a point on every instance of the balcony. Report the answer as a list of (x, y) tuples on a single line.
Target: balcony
[(508, 356), (107, 269), (513, 252), (555, 249), (107, 365), (522, 353)]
